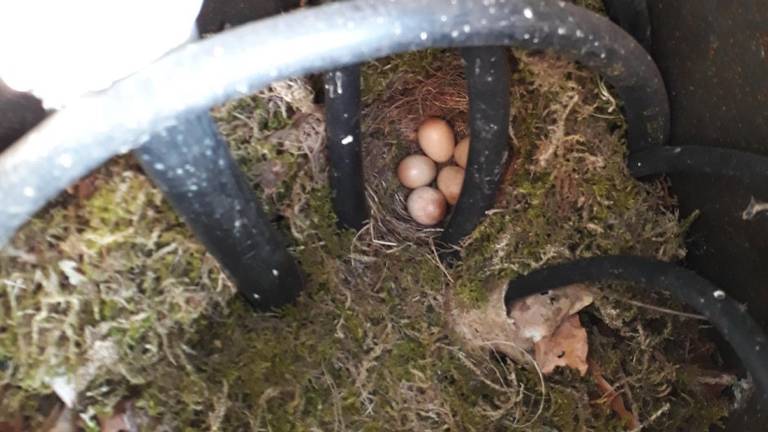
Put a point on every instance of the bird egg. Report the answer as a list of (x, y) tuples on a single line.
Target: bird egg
[(416, 171), (426, 205), (436, 139)]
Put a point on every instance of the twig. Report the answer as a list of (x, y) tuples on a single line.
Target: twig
[(753, 209), (612, 398), (525, 353), (632, 404), (338, 420), (658, 308), (652, 418), (439, 263)]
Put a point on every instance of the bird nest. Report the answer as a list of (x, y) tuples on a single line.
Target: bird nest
[(109, 304)]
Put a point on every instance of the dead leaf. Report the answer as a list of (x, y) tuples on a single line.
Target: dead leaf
[(530, 319), (538, 316), (121, 420), (61, 419), (115, 423), (85, 187), (613, 399), (15, 425), (566, 347)]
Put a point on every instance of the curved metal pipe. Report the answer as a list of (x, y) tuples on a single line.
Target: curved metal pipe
[(345, 149), (78, 139), (192, 166), (729, 317)]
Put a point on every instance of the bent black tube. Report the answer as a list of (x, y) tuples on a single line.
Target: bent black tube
[(192, 165), (76, 140), (749, 167), (488, 72), (342, 123), (634, 17), (728, 316)]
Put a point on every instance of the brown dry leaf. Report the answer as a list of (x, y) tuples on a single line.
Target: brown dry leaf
[(121, 420), (566, 347), (538, 316), (611, 397), (530, 319), (15, 425), (116, 423), (85, 187), (61, 419)]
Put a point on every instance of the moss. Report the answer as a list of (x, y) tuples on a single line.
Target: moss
[(273, 162), (580, 202), (367, 346), (117, 268)]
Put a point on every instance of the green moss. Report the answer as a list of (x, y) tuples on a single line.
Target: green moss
[(577, 202), (367, 346), (117, 268)]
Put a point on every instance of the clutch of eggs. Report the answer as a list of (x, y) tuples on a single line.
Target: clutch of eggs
[(428, 205)]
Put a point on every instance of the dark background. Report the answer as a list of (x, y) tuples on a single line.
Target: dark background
[(713, 55), (714, 58)]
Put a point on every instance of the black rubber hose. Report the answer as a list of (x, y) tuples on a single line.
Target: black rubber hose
[(634, 17), (488, 73), (78, 139), (749, 167), (192, 166), (342, 123), (728, 316)]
